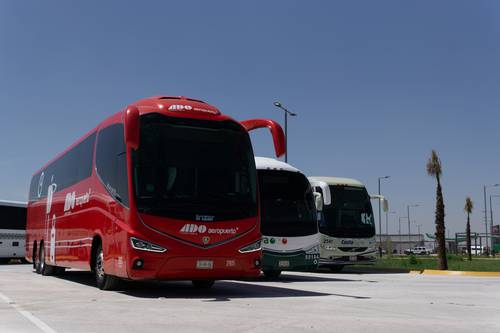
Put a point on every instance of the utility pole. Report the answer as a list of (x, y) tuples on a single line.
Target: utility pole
[(278, 105)]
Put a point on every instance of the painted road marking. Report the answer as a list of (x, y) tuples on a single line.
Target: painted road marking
[(37, 322)]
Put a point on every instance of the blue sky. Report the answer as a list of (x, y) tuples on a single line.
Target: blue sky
[(376, 84)]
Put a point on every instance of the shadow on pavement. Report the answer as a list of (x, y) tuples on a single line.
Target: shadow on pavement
[(221, 291), (365, 270), (289, 277)]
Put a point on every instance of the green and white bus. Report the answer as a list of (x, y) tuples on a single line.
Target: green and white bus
[(346, 223), (289, 224)]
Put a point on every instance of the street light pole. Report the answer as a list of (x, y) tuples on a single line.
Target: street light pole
[(486, 213), (401, 217), (491, 219), (409, 227), (278, 105), (380, 211), (387, 221)]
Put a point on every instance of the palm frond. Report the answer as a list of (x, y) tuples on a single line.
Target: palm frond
[(469, 205), (434, 165)]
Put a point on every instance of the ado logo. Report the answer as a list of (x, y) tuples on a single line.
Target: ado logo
[(178, 107), (191, 228)]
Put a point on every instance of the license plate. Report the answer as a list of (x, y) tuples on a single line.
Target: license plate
[(205, 264), (284, 263), (353, 258)]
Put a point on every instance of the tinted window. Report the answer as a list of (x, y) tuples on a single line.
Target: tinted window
[(12, 217), (71, 168), (111, 162), (287, 204), (349, 215), (186, 167)]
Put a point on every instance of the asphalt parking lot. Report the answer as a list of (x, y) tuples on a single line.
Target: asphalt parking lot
[(346, 302)]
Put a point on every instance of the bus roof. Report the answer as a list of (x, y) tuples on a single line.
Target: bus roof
[(337, 181), (266, 163), (13, 203), (173, 106)]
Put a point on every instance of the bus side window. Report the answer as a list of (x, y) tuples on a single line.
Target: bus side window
[(111, 162)]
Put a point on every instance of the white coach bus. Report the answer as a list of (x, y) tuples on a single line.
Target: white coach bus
[(347, 224), (289, 224), (12, 230)]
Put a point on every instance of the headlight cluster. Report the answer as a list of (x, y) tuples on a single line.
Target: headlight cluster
[(140, 244), (250, 247), (329, 247)]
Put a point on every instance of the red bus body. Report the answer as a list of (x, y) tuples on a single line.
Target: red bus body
[(68, 220)]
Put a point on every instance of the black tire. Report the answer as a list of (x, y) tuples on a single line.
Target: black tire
[(103, 280), (336, 268), (45, 269), (272, 274), (203, 284)]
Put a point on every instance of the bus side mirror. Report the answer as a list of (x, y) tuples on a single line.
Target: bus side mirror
[(132, 125), (385, 205), (383, 201), (276, 132), (318, 201)]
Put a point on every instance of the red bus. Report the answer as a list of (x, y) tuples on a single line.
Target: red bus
[(164, 190)]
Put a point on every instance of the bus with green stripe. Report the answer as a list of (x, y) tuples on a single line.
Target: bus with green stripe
[(289, 225)]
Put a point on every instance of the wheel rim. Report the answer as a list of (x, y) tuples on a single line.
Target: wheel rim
[(99, 265)]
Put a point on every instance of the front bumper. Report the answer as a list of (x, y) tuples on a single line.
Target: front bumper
[(294, 261)]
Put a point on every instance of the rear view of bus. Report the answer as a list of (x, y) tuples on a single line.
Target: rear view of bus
[(12, 230), (164, 190), (347, 228), (288, 219)]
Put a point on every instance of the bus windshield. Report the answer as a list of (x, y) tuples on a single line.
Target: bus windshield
[(187, 169), (287, 204), (350, 215)]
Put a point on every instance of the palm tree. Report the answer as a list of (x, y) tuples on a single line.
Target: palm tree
[(434, 170), (469, 205)]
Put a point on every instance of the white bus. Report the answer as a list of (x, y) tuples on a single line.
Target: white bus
[(289, 224), (12, 230), (347, 224)]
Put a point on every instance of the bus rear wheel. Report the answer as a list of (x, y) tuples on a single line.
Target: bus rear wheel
[(103, 280), (203, 284), (271, 274), (44, 269), (336, 268)]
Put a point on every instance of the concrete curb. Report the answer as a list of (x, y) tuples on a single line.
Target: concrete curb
[(456, 273)]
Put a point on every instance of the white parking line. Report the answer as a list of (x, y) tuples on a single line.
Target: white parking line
[(37, 322)]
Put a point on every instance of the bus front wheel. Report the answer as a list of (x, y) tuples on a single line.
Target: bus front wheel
[(103, 280), (271, 274)]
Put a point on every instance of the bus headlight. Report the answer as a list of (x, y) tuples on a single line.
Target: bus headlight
[(255, 246), (142, 245), (329, 247)]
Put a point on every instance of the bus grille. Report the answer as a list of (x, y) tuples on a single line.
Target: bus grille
[(353, 249)]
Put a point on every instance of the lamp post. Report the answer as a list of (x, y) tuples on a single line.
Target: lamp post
[(401, 217), (418, 226), (491, 218), (409, 228), (387, 221), (486, 210), (278, 105)]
